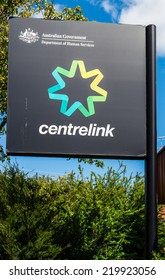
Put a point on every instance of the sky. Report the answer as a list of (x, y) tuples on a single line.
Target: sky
[(143, 12)]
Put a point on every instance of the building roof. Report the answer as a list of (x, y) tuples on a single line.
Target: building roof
[(161, 150)]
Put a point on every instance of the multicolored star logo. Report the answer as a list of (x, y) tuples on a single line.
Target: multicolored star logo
[(53, 91)]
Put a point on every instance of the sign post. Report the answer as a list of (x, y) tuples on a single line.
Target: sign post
[(150, 191)]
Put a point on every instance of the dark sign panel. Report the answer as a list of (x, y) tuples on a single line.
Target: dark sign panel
[(76, 89)]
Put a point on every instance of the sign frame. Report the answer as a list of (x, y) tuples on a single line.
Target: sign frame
[(112, 123)]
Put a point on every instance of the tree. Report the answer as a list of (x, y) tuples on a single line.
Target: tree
[(101, 217), (22, 8)]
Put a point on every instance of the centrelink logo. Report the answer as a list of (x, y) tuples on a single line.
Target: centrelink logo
[(71, 130), (53, 91)]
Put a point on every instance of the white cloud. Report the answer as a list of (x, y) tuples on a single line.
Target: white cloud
[(94, 2), (106, 6), (146, 12), (109, 8)]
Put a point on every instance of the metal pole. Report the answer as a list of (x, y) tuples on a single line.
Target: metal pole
[(150, 191)]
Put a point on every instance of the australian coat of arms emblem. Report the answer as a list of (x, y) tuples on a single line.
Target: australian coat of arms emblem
[(29, 36)]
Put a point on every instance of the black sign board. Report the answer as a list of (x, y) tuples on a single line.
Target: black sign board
[(76, 89)]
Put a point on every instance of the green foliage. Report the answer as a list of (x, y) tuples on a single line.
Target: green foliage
[(160, 253), (70, 217), (96, 162), (161, 240)]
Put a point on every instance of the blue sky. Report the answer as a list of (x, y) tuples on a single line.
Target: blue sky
[(112, 11)]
